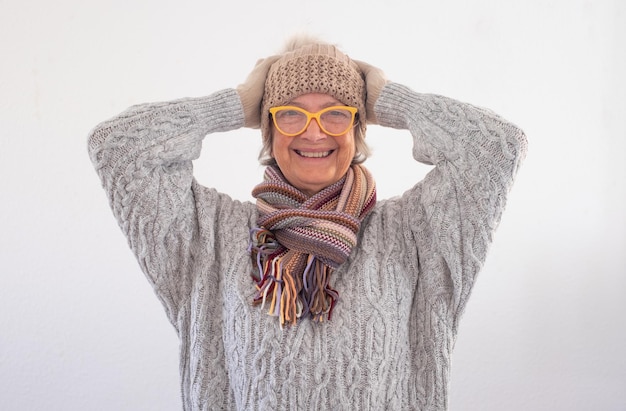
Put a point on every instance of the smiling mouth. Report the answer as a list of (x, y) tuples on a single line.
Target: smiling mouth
[(311, 154)]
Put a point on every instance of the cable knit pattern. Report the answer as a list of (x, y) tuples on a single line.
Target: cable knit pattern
[(402, 289)]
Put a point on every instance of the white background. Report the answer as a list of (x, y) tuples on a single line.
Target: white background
[(81, 329)]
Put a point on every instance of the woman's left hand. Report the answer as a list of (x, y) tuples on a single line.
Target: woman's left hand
[(375, 80)]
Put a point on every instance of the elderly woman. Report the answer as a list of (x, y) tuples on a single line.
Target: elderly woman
[(318, 296)]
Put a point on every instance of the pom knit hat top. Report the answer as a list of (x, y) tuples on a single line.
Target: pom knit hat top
[(313, 68)]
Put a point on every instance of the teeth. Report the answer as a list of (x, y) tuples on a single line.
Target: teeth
[(314, 154)]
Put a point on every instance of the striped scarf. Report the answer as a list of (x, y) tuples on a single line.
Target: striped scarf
[(301, 240)]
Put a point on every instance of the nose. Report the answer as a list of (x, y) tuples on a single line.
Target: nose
[(314, 132)]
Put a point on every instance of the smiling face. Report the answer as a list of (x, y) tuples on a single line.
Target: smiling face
[(312, 161)]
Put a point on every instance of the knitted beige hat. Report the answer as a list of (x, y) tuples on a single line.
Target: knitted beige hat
[(313, 68)]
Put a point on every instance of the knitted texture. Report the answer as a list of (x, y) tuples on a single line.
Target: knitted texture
[(313, 68), (301, 240), (402, 289)]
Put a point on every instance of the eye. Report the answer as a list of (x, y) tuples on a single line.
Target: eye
[(339, 113), (289, 113)]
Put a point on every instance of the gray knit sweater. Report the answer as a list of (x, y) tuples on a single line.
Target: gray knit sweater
[(401, 292)]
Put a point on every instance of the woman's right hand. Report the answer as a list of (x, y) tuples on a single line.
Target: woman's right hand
[(251, 91)]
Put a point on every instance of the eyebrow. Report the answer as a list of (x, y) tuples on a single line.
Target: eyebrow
[(325, 105)]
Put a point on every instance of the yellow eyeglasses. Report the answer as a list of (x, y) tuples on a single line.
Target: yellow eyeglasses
[(334, 121)]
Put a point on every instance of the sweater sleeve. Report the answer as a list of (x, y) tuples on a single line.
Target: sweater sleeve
[(450, 217), (144, 160)]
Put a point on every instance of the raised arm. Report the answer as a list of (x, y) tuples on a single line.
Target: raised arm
[(144, 160), (453, 213)]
